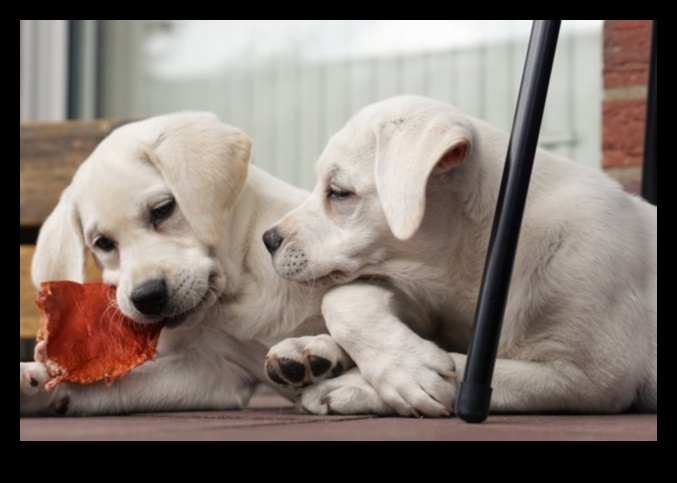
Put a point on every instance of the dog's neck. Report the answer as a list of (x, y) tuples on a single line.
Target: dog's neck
[(263, 201)]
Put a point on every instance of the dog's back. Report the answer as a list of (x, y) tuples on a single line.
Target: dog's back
[(590, 250)]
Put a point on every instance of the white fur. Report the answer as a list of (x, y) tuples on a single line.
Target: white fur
[(226, 302), (406, 194)]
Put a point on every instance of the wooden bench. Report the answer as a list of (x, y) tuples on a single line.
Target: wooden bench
[(50, 153)]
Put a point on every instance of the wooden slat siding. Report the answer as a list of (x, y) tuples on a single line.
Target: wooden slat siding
[(28, 311), (50, 152), (29, 316)]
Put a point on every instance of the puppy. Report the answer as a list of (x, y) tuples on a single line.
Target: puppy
[(406, 193), (173, 214)]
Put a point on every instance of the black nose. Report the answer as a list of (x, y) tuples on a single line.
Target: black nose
[(272, 240), (151, 297)]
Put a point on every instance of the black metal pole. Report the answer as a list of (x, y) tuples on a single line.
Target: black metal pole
[(472, 404), (649, 171)]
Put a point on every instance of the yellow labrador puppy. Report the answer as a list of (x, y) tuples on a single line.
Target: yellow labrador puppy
[(406, 194), (174, 214)]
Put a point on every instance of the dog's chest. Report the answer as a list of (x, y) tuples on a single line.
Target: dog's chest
[(271, 318)]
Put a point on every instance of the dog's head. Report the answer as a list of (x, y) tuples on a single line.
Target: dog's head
[(151, 203), (372, 184)]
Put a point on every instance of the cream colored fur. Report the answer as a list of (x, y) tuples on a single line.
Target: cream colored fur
[(406, 194), (226, 306)]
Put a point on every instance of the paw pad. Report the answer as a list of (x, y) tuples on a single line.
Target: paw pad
[(292, 370), (285, 371), (318, 365)]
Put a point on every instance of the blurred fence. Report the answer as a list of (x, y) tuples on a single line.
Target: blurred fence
[(291, 106)]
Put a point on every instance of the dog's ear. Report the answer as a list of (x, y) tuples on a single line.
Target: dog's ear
[(205, 163), (60, 252), (408, 152)]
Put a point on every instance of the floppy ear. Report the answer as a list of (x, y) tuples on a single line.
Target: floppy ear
[(60, 252), (205, 162), (408, 153)]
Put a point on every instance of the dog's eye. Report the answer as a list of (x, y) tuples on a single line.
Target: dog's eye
[(162, 211), (338, 193), (104, 243)]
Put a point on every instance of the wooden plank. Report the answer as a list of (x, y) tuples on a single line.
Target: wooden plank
[(29, 326), (28, 312), (49, 154), (29, 316)]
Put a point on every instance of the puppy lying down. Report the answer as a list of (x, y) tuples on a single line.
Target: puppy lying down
[(173, 214), (405, 195)]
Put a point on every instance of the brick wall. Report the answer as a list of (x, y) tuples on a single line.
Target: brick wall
[(627, 45)]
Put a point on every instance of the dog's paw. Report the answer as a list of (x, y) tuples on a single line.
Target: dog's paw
[(421, 381), (348, 394), (34, 399), (32, 379), (299, 362)]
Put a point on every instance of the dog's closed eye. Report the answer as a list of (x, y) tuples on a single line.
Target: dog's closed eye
[(335, 193)]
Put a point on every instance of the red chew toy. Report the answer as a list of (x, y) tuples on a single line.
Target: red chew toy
[(85, 338)]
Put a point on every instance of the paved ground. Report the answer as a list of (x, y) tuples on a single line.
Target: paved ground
[(273, 419)]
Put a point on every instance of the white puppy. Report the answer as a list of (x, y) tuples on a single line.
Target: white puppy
[(174, 214), (406, 193)]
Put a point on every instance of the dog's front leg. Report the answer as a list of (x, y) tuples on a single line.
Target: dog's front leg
[(413, 376), (161, 385), (175, 382)]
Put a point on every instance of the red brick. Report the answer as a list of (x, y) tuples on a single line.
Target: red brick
[(623, 132), (626, 24), (626, 52)]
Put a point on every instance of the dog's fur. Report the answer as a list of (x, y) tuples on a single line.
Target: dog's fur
[(406, 193), (174, 213)]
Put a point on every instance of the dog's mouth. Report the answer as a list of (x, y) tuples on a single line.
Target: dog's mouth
[(177, 312), (215, 288), (177, 320)]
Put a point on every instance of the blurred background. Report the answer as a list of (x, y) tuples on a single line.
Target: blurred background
[(292, 83)]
